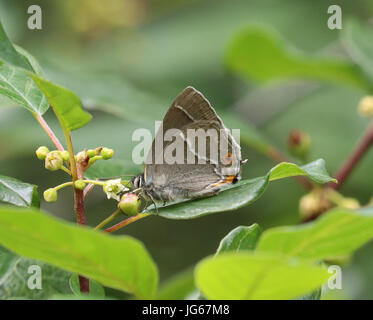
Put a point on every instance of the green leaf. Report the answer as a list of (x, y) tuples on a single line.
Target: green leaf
[(18, 193), (95, 289), (243, 275), (261, 55), (314, 170), (357, 40), (242, 193), (178, 287), (17, 86), (66, 104), (15, 83), (112, 168), (118, 262), (240, 238), (336, 233), (8, 53), (31, 60), (14, 276)]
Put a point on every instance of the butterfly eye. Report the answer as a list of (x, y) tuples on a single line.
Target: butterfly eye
[(227, 159)]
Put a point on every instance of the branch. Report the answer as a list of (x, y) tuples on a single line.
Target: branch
[(126, 222), (49, 131), (76, 174), (354, 157)]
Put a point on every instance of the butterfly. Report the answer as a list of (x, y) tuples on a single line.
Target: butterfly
[(203, 169)]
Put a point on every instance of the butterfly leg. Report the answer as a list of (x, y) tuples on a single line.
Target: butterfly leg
[(151, 198)]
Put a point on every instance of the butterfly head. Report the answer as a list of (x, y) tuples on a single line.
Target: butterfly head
[(138, 181)]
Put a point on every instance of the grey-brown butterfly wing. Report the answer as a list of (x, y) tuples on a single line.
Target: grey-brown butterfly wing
[(190, 110)]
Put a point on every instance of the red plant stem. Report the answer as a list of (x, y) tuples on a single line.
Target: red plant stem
[(76, 173), (80, 217), (79, 206), (49, 132), (126, 222), (354, 157)]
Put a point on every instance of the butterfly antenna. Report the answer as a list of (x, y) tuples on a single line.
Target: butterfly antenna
[(116, 177)]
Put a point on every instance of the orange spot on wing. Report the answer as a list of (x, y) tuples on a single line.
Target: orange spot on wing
[(228, 179)]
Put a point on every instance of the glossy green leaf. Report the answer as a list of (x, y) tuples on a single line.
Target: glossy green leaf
[(17, 86), (8, 53), (244, 275), (118, 262), (261, 55), (112, 168), (336, 233), (243, 192), (15, 83), (31, 60), (18, 193), (95, 289), (358, 41), (240, 238), (14, 277), (66, 104), (314, 170)]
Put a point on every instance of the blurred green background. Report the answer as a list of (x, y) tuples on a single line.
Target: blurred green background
[(128, 59)]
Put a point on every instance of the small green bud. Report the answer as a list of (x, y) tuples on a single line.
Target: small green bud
[(130, 204), (91, 153), (53, 161), (50, 195), (299, 143), (107, 153), (79, 184), (42, 152), (366, 106), (65, 155)]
